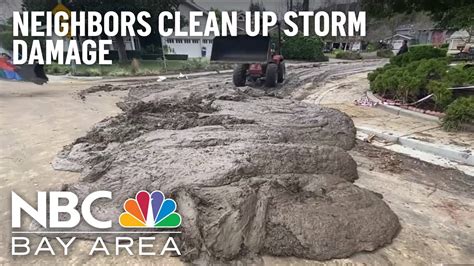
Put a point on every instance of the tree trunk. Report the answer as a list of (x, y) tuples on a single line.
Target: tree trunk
[(471, 33), (122, 52)]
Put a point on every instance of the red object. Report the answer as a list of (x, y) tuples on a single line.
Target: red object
[(6, 65), (256, 70), (277, 58)]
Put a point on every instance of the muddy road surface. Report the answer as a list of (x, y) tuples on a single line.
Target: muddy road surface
[(231, 146)]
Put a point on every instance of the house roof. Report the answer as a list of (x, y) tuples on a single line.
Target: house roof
[(193, 6), (403, 36), (460, 34)]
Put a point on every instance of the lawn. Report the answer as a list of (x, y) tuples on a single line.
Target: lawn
[(137, 68)]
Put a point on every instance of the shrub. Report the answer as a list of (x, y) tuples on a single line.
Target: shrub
[(151, 56), (176, 57), (470, 74), (416, 53), (303, 48), (408, 88), (459, 113), (428, 69), (348, 55), (442, 96), (385, 53), (371, 47), (456, 77), (387, 83)]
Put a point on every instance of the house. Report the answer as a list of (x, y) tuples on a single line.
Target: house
[(456, 40), (414, 36), (397, 41), (194, 47)]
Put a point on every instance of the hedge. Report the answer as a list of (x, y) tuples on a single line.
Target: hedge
[(348, 55), (385, 53), (416, 53), (459, 114), (423, 71)]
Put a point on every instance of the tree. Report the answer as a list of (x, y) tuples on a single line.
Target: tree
[(256, 6), (446, 13), (306, 5), (154, 7)]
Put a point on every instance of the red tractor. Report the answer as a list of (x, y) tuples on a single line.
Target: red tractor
[(255, 58)]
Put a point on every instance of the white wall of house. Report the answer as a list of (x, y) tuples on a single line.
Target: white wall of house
[(194, 47), (458, 38)]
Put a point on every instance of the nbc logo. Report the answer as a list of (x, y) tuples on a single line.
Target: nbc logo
[(151, 211)]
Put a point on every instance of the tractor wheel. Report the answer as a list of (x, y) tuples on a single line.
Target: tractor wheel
[(281, 72), (240, 75), (271, 75)]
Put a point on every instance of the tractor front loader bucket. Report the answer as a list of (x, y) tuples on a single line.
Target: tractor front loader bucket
[(241, 49)]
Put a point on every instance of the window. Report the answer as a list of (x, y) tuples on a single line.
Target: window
[(187, 41), (204, 41), (195, 41), (170, 40), (179, 40), (210, 41)]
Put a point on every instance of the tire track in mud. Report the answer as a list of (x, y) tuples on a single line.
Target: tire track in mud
[(301, 79)]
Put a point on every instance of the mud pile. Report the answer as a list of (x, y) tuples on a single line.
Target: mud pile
[(252, 175)]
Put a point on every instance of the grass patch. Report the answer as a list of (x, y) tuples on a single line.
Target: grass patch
[(137, 68)]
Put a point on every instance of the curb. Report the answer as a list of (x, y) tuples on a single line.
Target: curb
[(454, 153), (132, 78), (400, 111)]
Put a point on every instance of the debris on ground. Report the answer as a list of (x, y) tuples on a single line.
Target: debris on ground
[(252, 174), (103, 87), (365, 101)]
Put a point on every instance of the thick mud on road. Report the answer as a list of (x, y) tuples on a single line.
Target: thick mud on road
[(258, 175), (253, 173)]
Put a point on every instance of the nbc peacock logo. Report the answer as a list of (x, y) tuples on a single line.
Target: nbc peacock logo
[(150, 211)]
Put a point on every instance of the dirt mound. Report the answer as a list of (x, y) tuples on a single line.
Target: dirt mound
[(251, 175)]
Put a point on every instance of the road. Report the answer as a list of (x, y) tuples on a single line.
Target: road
[(435, 204)]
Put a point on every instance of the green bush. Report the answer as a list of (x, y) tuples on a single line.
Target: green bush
[(303, 48), (442, 96), (348, 55), (408, 87), (370, 47), (459, 113), (385, 53), (56, 69), (457, 77), (428, 69), (176, 57), (416, 53)]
